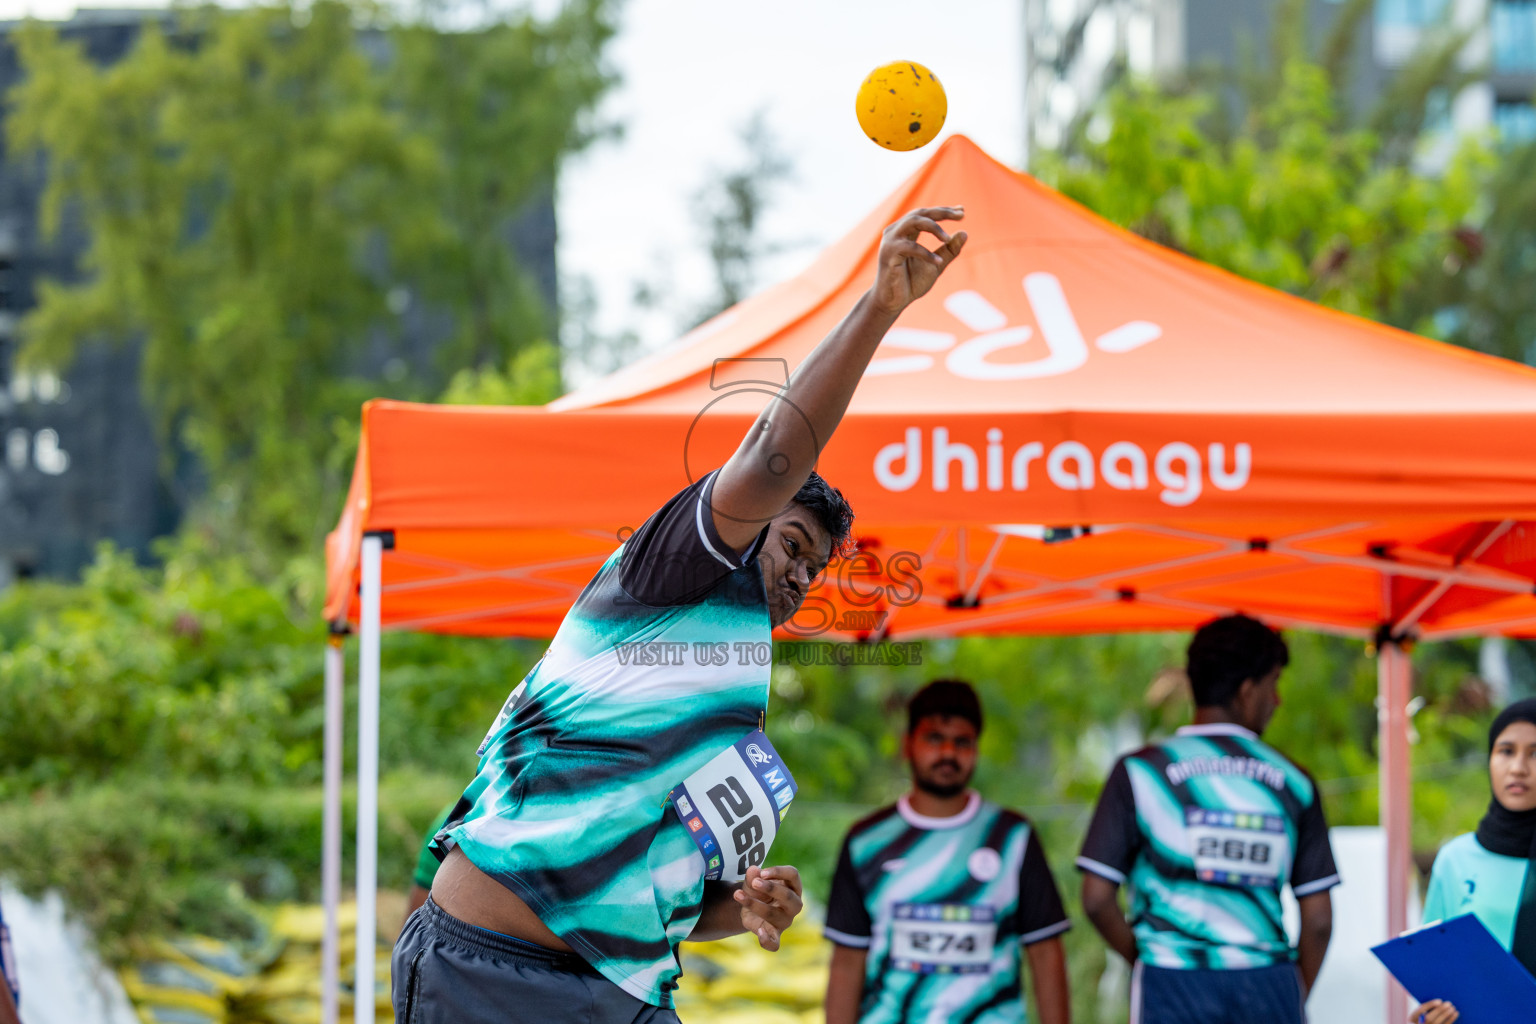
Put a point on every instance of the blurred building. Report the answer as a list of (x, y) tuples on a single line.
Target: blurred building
[(1074, 49), (80, 461)]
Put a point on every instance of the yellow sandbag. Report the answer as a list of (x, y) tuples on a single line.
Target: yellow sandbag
[(797, 988), (749, 1014)]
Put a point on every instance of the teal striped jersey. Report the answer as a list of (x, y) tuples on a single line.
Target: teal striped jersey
[(1468, 879), (569, 806), (944, 906), (1207, 828)]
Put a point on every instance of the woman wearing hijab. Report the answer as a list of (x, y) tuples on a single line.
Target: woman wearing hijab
[(1487, 873)]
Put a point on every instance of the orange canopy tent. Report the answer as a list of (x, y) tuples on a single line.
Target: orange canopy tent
[(1076, 431)]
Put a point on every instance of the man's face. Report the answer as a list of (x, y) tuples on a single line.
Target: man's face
[(796, 552), (1512, 767), (942, 752), (1258, 701)]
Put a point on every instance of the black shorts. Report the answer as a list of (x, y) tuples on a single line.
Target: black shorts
[(1260, 995), (447, 972)]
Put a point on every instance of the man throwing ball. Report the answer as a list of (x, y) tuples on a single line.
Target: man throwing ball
[(622, 806)]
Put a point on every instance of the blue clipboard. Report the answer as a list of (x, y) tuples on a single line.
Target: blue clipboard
[(1459, 961)]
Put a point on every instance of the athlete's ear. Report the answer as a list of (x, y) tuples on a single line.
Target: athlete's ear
[(1245, 702)]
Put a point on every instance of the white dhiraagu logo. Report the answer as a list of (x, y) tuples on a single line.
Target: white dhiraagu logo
[(757, 754), (1180, 468), (1066, 348)]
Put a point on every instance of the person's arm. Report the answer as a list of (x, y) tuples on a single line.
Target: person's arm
[(850, 929), (1042, 920), (1102, 905), (1313, 873), (1048, 977), (8, 1013), (845, 984), (765, 904), (1109, 850), (780, 450), (1316, 930)]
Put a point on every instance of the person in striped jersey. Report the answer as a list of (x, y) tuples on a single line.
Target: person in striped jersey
[(935, 896), (1207, 827), (568, 878)]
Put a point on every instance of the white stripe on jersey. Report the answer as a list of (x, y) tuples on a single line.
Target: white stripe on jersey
[(1041, 934), (698, 519), (844, 939), (1102, 870), (1308, 888)]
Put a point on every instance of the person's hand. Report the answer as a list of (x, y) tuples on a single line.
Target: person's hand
[(907, 268), (1436, 1011), (770, 898)]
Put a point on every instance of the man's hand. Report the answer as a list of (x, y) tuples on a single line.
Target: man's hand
[(907, 268), (770, 899)]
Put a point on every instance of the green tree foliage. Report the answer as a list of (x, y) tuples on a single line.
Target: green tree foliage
[(161, 728), (1292, 200), (1496, 310), (500, 106), (258, 185), (532, 378), (1265, 171), (730, 209)]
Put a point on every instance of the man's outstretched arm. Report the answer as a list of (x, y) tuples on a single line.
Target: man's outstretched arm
[(780, 450)]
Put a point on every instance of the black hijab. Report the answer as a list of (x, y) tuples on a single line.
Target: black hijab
[(1513, 834)]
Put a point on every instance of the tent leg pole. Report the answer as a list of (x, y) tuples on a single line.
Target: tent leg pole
[(368, 776), (330, 844), (1395, 683)]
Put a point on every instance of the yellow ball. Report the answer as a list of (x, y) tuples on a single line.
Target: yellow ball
[(901, 106)]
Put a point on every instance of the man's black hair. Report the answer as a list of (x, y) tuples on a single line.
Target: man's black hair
[(952, 697), (830, 508), (1227, 652)]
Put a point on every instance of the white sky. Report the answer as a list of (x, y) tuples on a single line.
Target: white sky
[(695, 71)]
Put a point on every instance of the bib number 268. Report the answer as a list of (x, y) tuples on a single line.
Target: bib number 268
[(732, 803), (1257, 852)]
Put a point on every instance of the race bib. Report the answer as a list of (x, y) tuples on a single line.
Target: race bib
[(733, 805), (1232, 848), (943, 938)]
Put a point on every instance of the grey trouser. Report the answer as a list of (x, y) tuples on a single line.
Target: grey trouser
[(447, 972)]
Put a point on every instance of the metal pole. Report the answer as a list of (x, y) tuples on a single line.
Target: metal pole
[(1394, 677), (368, 776), (330, 843)]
